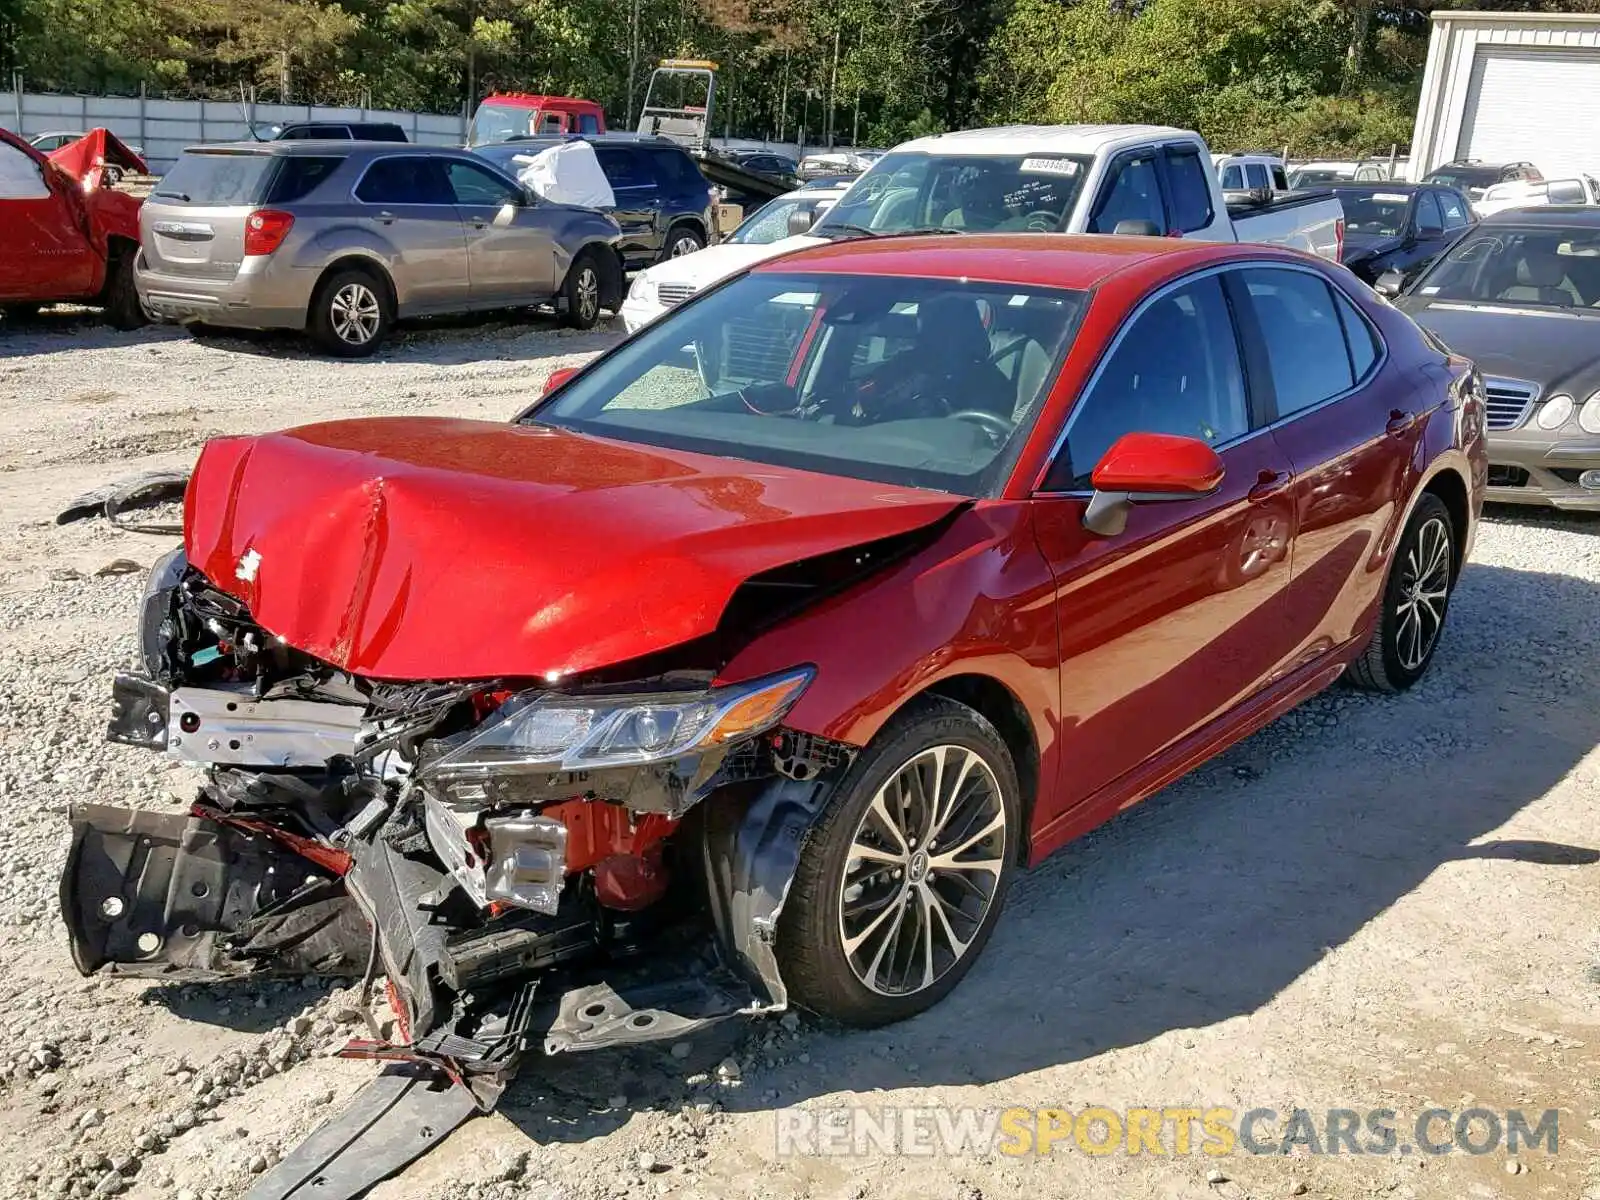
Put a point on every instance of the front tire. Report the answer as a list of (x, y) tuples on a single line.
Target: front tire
[(123, 307), (351, 314), (903, 877), (581, 291), (1416, 597)]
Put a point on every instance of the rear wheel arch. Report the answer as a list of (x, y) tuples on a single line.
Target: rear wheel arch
[(354, 262)]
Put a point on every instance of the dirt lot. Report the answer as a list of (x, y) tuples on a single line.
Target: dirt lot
[(1374, 904)]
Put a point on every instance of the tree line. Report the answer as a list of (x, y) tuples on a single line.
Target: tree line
[(1323, 77)]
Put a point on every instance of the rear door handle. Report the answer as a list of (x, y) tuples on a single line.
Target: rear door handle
[(1399, 422), (386, 218), (479, 223), (1268, 485)]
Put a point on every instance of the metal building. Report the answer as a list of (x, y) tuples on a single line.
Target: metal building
[(1508, 87)]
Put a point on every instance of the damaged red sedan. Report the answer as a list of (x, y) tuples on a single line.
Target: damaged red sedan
[(748, 666)]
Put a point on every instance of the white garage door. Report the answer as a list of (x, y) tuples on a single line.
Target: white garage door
[(1534, 105)]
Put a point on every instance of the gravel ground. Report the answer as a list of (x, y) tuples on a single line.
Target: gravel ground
[(1374, 903)]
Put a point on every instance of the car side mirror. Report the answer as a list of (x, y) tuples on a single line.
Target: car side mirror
[(558, 378), (801, 220), (1142, 468), (1137, 228), (506, 215), (1389, 283)]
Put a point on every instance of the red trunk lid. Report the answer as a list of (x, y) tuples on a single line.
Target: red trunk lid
[(425, 548)]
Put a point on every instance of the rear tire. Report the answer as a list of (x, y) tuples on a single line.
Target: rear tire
[(1416, 598), (681, 240), (124, 309), (351, 313), (582, 290), (876, 928)]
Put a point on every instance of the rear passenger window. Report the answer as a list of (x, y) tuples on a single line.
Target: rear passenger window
[(298, 176), (622, 167), (1455, 212), (676, 169), (1176, 370), (407, 180), (1303, 335), (1191, 191), (1358, 335), (588, 123)]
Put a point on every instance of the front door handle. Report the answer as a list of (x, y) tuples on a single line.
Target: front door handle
[(1399, 422), (479, 223), (1268, 485)]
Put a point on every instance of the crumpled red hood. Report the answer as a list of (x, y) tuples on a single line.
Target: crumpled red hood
[(84, 158), (425, 548)]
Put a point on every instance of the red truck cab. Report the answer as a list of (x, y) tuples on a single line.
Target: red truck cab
[(508, 115), (69, 237)]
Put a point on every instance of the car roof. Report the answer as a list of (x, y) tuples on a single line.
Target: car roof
[(1047, 139), (318, 146), (1078, 261), (1563, 216)]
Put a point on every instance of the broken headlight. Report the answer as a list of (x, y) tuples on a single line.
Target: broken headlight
[(548, 731), (155, 611)]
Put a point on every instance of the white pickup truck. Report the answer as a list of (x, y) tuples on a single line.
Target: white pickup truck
[(1127, 179)]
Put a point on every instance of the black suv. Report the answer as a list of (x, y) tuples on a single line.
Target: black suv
[(1474, 177), (360, 131), (663, 203)]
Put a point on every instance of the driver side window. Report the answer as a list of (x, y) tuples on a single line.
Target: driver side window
[(1176, 370), (1132, 193)]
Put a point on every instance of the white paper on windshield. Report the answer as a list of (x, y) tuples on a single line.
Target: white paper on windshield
[(566, 174), (1049, 166), (1390, 197)]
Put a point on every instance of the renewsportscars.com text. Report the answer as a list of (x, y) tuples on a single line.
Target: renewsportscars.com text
[(1169, 1130)]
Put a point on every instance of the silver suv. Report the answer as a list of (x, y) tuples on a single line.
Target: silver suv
[(344, 238)]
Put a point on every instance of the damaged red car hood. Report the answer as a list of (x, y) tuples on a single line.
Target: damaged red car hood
[(86, 158), (424, 548)]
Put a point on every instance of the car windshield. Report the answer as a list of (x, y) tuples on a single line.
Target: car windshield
[(499, 123), (1544, 267), (927, 383), (217, 178), (770, 223), (1379, 213), (904, 192)]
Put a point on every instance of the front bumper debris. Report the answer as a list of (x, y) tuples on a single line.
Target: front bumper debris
[(175, 897)]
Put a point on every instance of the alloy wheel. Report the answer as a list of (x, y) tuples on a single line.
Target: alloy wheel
[(588, 296), (1424, 591), (355, 314), (684, 245), (922, 870)]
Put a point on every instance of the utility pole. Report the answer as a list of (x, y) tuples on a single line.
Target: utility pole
[(633, 56), (833, 84), (783, 102)]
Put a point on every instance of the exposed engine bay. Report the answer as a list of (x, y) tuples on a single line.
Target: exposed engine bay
[(533, 870)]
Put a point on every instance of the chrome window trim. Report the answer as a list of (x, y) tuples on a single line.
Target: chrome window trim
[(1038, 488)]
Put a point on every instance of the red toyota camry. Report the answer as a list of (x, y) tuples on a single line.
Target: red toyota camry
[(749, 665)]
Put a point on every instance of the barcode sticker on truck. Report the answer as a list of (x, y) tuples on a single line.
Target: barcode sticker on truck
[(1050, 166)]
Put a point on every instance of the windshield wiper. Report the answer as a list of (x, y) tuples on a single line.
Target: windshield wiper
[(184, 196), (843, 229)]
